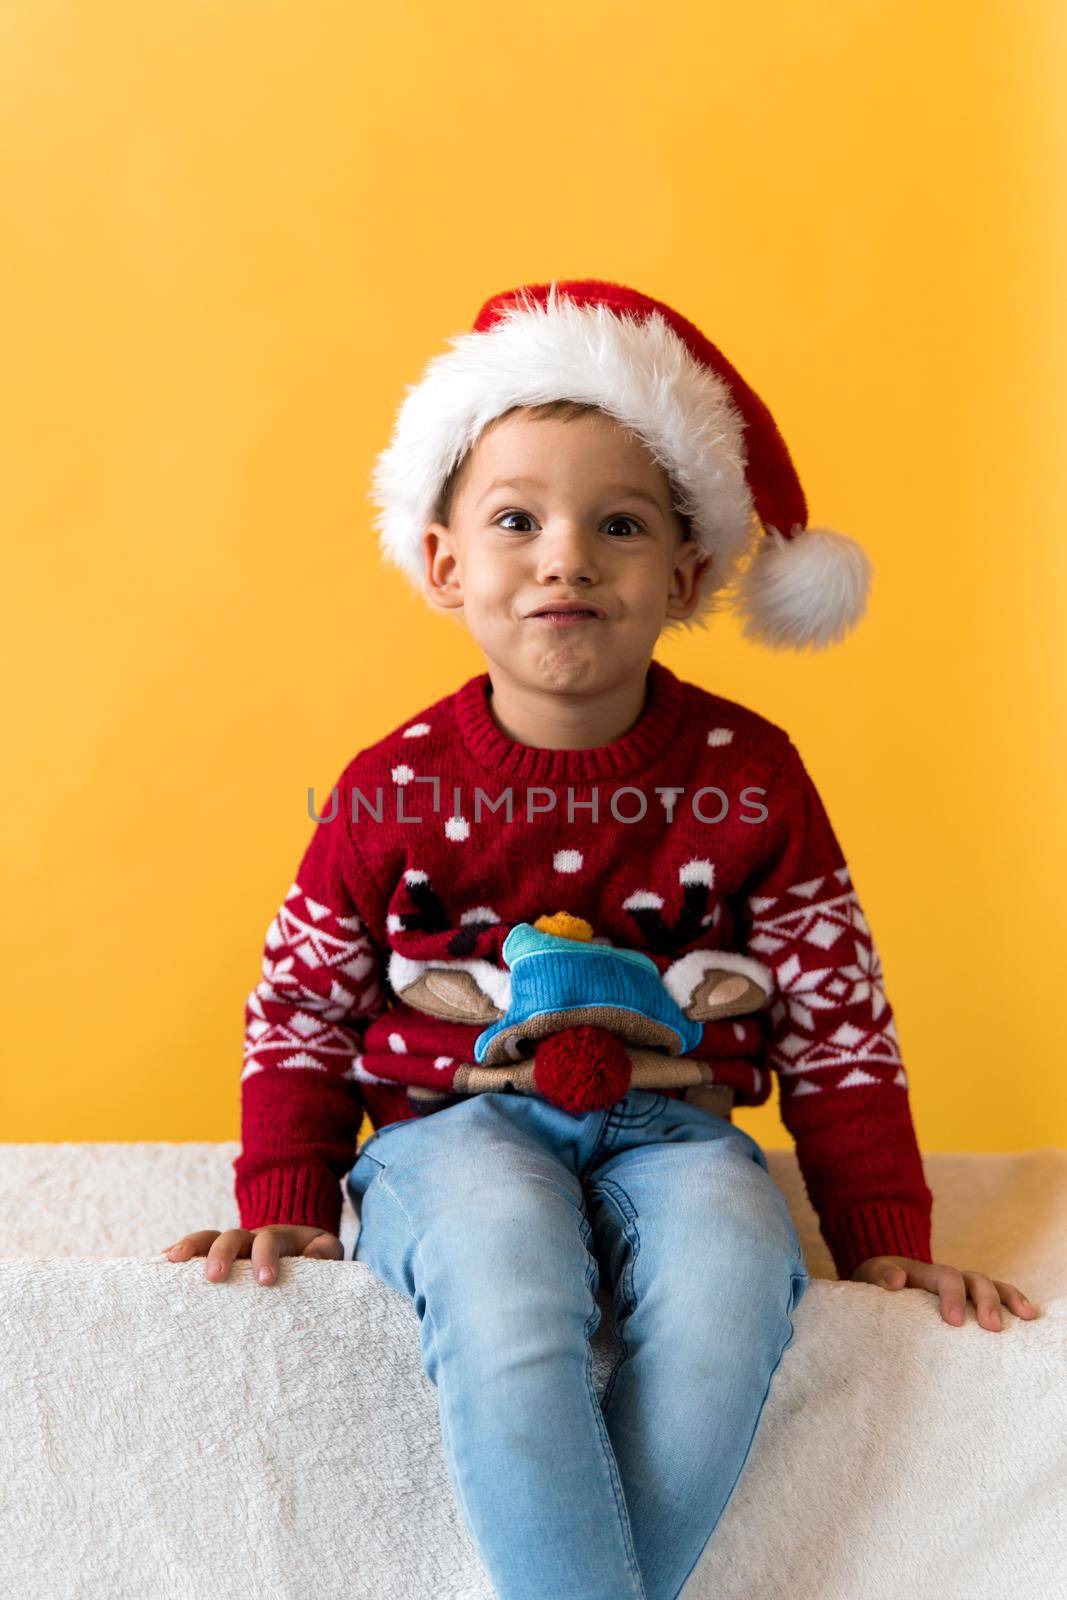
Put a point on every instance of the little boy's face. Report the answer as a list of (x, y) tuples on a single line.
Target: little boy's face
[(591, 521)]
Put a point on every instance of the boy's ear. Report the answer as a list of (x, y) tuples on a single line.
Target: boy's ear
[(691, 563), (444, 586)]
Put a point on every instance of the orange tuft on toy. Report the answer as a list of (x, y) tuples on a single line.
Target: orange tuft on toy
[(565, 926)]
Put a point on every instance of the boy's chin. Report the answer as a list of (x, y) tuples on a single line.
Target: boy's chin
[(580, 663)]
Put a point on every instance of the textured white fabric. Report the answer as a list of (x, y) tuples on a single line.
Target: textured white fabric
[(167, 1437)]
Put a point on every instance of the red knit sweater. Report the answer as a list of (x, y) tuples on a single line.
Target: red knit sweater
[(707, 833)]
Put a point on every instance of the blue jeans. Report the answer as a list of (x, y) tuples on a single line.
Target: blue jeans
[(496, 1217)]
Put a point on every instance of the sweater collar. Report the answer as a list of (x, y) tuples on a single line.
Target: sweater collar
[(646, 742)]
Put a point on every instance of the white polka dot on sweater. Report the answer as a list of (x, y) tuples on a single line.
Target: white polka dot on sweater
[(720, 735), (457, 828), (643, 900), (403, 774), (567, 860), (441, 1062), (416, 730), (397, 1044)]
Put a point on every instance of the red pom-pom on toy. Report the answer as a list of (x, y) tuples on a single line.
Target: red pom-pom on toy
[(582, 1069)]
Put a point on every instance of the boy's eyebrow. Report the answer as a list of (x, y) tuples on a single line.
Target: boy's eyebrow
[(629, 489)]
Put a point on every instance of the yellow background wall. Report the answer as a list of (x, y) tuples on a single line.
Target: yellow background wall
[(232, 230)]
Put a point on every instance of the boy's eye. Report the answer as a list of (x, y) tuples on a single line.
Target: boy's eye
[(505, 516)]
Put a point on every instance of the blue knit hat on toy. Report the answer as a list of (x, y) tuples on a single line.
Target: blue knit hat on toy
[(562, 983)]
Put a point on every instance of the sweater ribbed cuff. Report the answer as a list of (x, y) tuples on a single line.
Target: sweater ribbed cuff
[(877, 1228), (308, 1197)]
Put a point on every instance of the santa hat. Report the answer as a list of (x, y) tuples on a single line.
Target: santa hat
[(655, 372)]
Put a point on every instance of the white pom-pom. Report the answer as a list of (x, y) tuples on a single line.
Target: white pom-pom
[(803, 593)]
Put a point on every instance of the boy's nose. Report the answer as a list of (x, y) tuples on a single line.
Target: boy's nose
[(569, 556)]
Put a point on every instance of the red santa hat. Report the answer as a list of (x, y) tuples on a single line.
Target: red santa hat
[(657, 374)]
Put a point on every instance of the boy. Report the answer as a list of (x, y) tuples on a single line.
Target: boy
[(562, 863)]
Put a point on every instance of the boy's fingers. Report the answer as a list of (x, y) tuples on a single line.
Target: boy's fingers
[(953, 1291), (221, 1255), (879, 1269), (264, 1245), (193, 1244), (1015, 1300), (944, 1281), (267, 1246), (326, 1247), (986, 1300), (953, 1288), (900, 1275)]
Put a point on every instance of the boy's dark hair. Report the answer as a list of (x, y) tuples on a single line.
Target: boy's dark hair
[(563, 410)]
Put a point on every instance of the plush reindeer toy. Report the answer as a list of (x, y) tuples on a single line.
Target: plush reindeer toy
[(579, 1020)]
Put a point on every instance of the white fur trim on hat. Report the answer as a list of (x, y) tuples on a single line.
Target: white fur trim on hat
[(635, 369), (804, 592)]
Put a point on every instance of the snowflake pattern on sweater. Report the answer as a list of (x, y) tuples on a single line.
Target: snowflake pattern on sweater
[(825, 913), (382, 896), (319, 969)]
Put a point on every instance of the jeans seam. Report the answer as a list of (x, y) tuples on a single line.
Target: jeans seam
[(625, 1286), (641, 1119), (637, 1122), (416, 1238), (608, 1124), (613, 1473)]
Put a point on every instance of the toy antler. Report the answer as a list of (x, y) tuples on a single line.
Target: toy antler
[(706, 984), (462, 984)]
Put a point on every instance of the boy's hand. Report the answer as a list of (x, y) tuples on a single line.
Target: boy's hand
[(264, 1245), (952, 1284)]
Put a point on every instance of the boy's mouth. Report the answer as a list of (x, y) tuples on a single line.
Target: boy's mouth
[(564, 619), (564, 615)]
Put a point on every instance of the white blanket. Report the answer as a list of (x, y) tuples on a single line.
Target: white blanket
[(166, 1437)]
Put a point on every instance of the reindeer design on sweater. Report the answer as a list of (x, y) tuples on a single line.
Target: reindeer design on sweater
[(570, 1015)]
